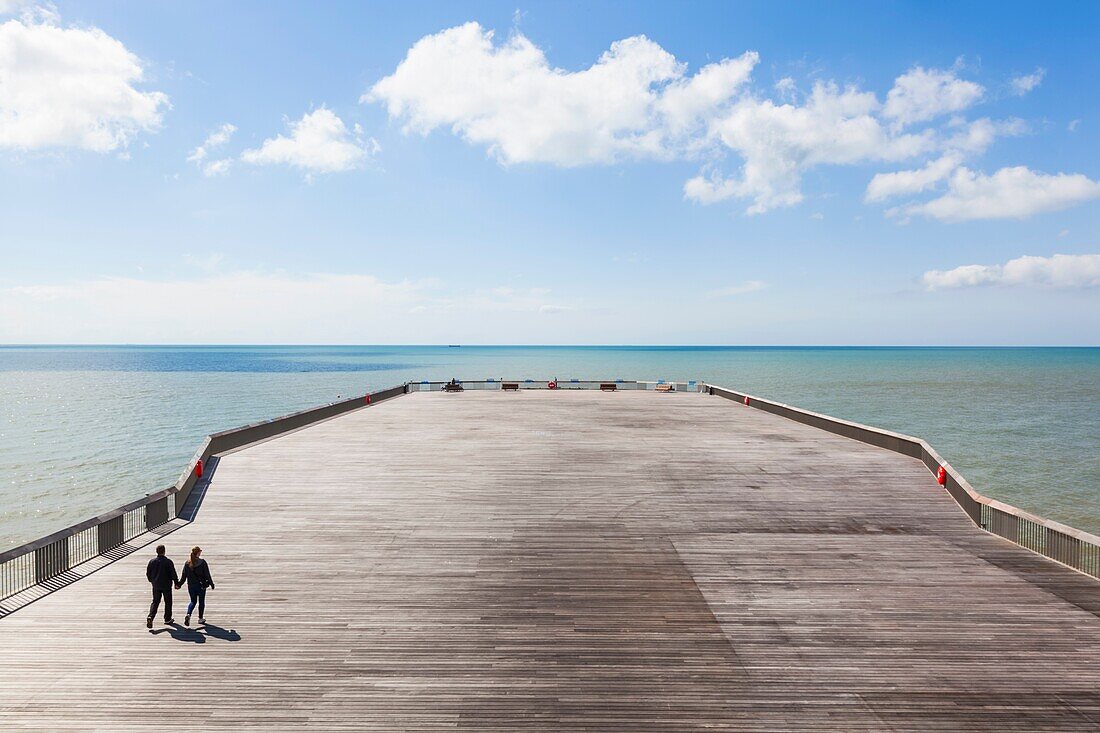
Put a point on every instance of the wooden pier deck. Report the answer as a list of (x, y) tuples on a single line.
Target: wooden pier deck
[(571, 561)]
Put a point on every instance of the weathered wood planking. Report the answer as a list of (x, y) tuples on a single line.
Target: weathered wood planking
[(570, 561)]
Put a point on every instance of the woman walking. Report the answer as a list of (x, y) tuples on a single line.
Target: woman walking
[(196, 573)]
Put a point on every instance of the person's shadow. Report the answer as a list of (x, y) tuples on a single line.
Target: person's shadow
[(198, 635)]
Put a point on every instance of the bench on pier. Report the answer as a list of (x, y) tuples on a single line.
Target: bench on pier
[(510, 386), (666, 388), (608, 387), (452, 387)]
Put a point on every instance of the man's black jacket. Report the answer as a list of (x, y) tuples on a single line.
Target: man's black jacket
[(161, 573)]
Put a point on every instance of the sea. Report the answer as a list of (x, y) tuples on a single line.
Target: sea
[(84, 429)]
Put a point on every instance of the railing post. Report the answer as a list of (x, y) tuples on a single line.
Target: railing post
[(51, 560), (156, 513), (111, 534)]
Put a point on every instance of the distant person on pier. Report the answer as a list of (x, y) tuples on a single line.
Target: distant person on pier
[(196, 573), (161, 573)]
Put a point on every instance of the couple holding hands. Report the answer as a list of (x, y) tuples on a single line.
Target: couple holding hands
[(161, 573)]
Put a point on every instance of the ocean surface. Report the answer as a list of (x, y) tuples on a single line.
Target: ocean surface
[(85, 429)]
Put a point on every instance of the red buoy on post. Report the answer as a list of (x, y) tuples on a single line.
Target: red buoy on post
[(941, 476), (198, 468)]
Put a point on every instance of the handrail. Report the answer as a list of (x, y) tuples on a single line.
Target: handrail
[(559, 384), (86, 524), (48, 557), (1064, 544)]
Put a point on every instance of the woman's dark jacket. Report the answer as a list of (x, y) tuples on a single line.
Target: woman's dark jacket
[(197, 575)]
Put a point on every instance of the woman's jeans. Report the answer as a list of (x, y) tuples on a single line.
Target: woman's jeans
[(198, 595)]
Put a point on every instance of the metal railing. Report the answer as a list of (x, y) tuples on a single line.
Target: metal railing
[(560, 384), (52, 556), (1062, 543), (49, 558)]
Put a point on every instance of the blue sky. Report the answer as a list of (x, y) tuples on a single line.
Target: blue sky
[(811, 173)]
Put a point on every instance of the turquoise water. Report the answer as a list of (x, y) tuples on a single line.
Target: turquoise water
[(85, 429)]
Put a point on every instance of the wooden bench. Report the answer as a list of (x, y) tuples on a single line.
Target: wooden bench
[(666, 388), (510, 386), (448, 387), (608, 387)]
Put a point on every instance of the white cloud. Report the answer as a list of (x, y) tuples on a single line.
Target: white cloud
[(1072, 126), (779, 142), (200, 155), (924, 94), (71, 88), (786, 88), (750, 286), (976, 136), (690, 101), (637, 101), (214, 140), (971, 138), (218, 167), (1058, 271), (899, 183), (1021, 85), (320, 142), (1010, 193), (510, 99)]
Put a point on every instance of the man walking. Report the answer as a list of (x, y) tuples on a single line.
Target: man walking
[(162, 575)]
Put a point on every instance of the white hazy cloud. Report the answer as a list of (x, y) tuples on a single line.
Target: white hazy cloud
[(750, 286), (1058, 271), (1010, 193), (899, 183), (70, 88), (226, 306), (320, 142), (1021, 85), (10, 7), (239, 306), (200, 155), (923, 94), (637, 101), (218, 167)]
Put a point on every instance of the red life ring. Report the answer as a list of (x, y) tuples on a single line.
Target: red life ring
[(552, 384)]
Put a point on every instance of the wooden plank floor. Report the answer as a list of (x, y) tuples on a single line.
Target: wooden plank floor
[(570, 561)]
